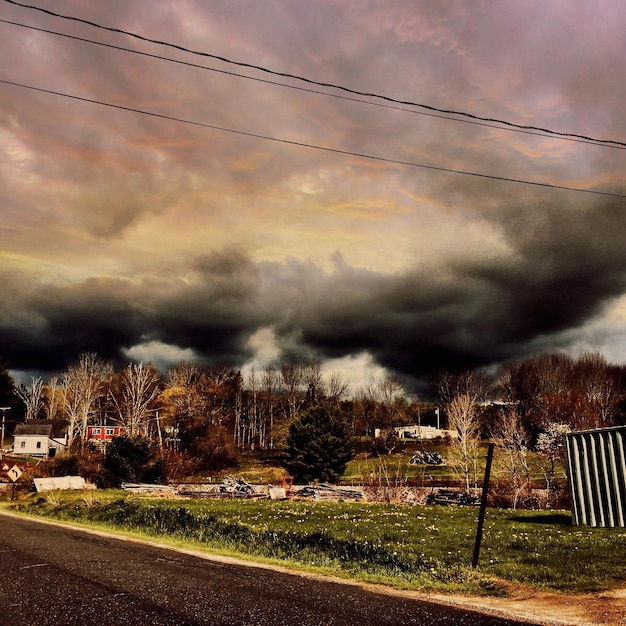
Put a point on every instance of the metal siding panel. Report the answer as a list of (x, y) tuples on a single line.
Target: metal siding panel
[(611, 477), (573, 474), (608, 492), (582, 480), (582, 490), (615, 474), (589, 495), (596, 462), (617, 494), (620, 462)]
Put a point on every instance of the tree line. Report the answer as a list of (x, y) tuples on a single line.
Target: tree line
[(206, 416)]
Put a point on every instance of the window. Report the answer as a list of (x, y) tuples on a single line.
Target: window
[(110, 431), (22, 444), (95, 431), (39, 445)]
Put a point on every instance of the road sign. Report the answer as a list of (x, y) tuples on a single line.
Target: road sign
[(14, 473)]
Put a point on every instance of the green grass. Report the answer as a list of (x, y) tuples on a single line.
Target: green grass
[(411, 547), (395, 468)]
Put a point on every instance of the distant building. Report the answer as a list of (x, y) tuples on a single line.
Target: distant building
[(415, 431), (36, 438), (103, 434)]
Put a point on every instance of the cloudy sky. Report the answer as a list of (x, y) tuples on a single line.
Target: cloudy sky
[(241, 217)]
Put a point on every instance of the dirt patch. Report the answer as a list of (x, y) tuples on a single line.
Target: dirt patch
[(603, 609)]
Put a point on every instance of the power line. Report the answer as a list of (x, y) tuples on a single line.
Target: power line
[(313, 146), (322, 84), (309, 90)]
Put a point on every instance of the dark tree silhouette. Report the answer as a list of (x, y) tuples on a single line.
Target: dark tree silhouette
[(130, 459), (319, 446)]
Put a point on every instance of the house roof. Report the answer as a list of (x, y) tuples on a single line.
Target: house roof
[(40, 428)]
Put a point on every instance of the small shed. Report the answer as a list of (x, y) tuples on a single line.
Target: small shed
[(37, 438), (596, 472)]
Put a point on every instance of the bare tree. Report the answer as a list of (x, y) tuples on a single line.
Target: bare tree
[(207, 407), (313, 380), (32, 398), (599, 385), (269, 383), (463, 418), (53, 398), (183, 375), (550, 444), (336, 388), (248, 428), (387, 399), (472, 383), (512, 437), (291, 378), (83, 385), (221, 389), (139, 387), (386, 390), (184, 390)]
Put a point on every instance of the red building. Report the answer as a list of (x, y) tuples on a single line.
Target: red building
[(103, 434)]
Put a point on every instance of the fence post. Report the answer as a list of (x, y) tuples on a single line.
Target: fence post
[(483, 506)]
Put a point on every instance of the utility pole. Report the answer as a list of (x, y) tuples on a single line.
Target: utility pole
[(4, 409), (158, 422)]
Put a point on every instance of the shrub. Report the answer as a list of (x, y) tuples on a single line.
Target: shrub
[(129, 459)]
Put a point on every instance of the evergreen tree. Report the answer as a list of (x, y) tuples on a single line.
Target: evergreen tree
[(319, 446), (9, 398)]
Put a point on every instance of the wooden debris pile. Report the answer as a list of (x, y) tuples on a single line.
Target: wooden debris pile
[(149, 489), (236, 487), (449, 497), (328, 492), (230, 487)]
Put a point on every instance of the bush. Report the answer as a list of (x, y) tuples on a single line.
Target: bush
[(85, 463), (130, 459)]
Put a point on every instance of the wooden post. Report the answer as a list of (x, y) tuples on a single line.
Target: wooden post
[(483, 506)]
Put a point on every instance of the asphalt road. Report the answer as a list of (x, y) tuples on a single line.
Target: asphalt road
[(52, 575)]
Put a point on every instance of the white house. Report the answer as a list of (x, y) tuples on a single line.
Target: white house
[(415, 431), (36, 438)]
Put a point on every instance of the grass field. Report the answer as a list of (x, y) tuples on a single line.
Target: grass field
[(406, 546), (368, 467)]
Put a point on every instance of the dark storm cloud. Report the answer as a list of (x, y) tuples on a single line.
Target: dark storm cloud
[(211, 309), (414, 323), (564, 266)]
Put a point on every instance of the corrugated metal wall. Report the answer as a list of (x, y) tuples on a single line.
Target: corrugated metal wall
[(596, 469)]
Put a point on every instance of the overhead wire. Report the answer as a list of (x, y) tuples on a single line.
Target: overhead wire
[(314, 146), (308, 89), (345, 89)]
